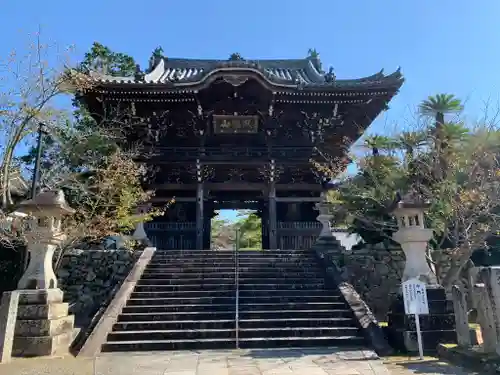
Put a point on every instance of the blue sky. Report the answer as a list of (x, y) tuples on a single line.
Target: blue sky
[(442, 46)]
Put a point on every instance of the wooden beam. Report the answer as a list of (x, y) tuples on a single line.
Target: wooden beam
[(298, 199), (168, 199), (238, 186)]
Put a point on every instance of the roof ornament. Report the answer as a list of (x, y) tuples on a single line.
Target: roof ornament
[(330, 76), (139, 74), (313, 55), (236, 57), (298, 80), (155, 58)]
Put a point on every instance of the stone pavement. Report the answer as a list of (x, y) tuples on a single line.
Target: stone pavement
[(316, 361)]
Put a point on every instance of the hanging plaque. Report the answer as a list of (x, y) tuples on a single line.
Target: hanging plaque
[(227, 124)]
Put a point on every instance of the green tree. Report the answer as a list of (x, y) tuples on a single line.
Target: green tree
[(102, 59), (250, 228), (85, 159), (436, 107), (465, 200)]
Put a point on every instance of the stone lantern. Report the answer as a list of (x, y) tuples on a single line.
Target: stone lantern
[(413, 236), (43, 326), (139, 232), (46, 211), (325, 217), (439, 325)]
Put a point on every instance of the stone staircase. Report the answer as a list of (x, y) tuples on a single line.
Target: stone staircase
[(188, 300)]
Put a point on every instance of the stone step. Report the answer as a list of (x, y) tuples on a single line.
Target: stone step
[(182, 301), (149, 345), (163, 285), (225, 315), (281, 314), (301, 342), (167, 291), (149, 291), (250, 343), (281, 279), (324, 297), (284, 286), (230, 273), (296, 322), (231, 323), (230, 264), (246, 257), (160, 299), (174, 325), (319, 331), (179, 308), (186, 300), (286, 292), (225, 269), (230, 260), (169, 280), (243, 279), (244, 334), (249, 307), (192, 253), (176, 316), (240, 254), (176, 334)]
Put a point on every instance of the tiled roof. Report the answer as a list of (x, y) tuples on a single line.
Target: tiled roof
[(285, 73)]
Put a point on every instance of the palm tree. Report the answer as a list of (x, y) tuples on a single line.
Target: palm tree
[(436, 107), (409, 141), (439, 105), (377, 143)]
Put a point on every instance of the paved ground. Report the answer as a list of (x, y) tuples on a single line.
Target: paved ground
[(252, 362)]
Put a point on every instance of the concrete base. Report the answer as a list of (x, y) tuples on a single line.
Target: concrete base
[(438, 327), (43, 326), (34, 346)]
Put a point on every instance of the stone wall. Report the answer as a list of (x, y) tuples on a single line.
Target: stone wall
[(89, 277), (375, 271)]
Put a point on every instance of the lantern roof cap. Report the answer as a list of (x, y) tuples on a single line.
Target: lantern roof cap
[(47, 203), (410, 200)]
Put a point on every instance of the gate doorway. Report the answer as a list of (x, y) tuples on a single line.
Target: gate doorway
[(241, 229)]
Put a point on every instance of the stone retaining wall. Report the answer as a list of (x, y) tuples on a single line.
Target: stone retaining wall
[(375, 271), (88, 277)]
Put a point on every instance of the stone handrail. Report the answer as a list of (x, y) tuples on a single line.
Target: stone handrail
[(324, 249)]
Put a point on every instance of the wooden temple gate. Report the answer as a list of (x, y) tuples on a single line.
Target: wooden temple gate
[(239, 130)]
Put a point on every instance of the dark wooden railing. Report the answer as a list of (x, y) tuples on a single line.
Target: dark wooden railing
[(229, 153), (181, 235)]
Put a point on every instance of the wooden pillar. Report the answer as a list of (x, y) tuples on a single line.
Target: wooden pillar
[(265, 225), (200, 217), (273, 233)]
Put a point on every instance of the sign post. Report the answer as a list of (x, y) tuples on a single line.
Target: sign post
[(415, 301)]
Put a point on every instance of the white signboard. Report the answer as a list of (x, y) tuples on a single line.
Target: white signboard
[(415, 297)]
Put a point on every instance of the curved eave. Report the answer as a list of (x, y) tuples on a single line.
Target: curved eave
[(152, 82)]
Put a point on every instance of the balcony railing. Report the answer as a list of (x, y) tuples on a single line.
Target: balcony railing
[(170, 226), (299, 225), (229, 153)]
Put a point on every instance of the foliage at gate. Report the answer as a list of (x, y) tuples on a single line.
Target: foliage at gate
[(452, 164), (81, 156), (249, 226)]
